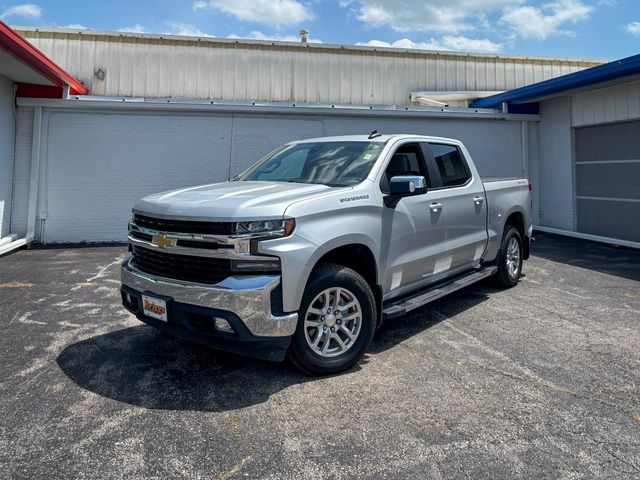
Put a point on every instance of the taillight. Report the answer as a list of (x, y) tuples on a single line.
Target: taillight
[(530, 186)]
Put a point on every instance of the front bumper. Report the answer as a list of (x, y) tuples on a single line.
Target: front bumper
[(244, 301)]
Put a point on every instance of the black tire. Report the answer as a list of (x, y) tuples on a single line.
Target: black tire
[(325, 277), (505, 277)]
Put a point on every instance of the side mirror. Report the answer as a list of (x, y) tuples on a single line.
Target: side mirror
[(404, 186)]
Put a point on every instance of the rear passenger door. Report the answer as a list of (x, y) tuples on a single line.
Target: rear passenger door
[(464, 207)]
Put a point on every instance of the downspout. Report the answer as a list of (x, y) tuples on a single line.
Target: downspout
[(33, 186)]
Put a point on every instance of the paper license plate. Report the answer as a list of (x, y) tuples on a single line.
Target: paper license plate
[(154, 307)]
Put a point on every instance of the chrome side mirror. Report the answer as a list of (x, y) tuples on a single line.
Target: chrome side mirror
[(404, 186)]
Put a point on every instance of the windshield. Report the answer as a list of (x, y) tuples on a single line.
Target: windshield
[(336, 164)]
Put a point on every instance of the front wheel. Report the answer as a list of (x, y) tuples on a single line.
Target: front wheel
[(509, 258), (336, 322)]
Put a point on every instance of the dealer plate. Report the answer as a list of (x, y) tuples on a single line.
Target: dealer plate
[(154, 307)]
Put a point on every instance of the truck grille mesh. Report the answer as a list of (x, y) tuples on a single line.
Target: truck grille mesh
[(182, 267), (184, 226)]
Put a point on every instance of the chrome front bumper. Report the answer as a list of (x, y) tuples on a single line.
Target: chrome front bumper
[(248, 297)]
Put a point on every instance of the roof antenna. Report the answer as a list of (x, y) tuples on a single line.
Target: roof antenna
[(374, 134)]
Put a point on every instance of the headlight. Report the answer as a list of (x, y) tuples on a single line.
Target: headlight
[(265, 228)]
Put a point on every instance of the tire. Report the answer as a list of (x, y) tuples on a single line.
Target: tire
[(345, 336), (511, 251)]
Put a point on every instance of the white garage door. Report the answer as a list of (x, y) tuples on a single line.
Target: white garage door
[(608, 180)]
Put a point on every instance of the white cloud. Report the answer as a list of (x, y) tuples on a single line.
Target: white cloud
[(186, 30), (446, 43), (272, 12), (137, 28), (256, 35), (633, 28), (447, 16), (26, 10), (75, 26), (542, 22)]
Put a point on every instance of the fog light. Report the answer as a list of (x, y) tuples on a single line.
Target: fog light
[(222, 325)]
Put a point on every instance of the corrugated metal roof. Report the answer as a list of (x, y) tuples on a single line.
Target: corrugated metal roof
[(161, 66)]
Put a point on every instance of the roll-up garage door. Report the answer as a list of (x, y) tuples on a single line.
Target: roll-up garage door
[(608, 180)]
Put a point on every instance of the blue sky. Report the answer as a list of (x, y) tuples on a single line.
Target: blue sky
[(598, 29)]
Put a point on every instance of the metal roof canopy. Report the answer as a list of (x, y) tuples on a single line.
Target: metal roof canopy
[(602, 74), (21, 62), (93, 103)]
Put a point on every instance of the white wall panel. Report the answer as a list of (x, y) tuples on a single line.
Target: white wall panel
[(555, 167), (99, 164), (7, 138), (606, 105), (152, 66)]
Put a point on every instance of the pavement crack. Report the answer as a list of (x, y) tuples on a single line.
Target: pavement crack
[(235, 469)]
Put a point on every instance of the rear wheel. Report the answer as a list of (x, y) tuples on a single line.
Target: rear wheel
[(336, 322), (509, 258)]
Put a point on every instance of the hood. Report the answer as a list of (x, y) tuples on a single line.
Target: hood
[(229, 200)]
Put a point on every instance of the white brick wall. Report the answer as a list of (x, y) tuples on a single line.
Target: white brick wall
[(96, 164), (7, 137), (555, 168), (22, 171)]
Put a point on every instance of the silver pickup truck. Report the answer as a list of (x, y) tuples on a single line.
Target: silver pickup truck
[(305, 253)]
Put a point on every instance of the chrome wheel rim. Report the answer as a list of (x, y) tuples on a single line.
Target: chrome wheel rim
[(333, 322), (513, 257)]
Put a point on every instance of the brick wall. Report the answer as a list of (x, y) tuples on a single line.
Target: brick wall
[(555, 169), (97, 164), (7, 137)]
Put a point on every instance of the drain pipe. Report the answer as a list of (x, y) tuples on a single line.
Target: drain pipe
[(33, 187)]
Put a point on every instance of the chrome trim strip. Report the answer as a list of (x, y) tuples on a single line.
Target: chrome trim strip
[(225, 253), (241, 243), (249, 297)]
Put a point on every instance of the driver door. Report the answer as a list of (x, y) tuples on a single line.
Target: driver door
[(413, 232)]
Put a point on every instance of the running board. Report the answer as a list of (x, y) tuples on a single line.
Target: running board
[(405, 305)]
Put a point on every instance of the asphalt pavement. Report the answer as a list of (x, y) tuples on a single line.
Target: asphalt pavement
[(539, 381)]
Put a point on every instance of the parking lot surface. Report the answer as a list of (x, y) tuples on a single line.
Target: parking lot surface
[(540, 381)]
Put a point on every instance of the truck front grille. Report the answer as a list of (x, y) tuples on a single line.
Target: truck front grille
[(195, 269), (184, 226), (182, 267)]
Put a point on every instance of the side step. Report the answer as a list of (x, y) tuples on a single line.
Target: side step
[(404, 305)]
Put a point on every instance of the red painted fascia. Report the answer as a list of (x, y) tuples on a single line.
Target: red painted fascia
[(24, 51), (33, 90)]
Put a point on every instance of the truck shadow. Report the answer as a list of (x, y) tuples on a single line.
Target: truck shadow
[(142, 367)]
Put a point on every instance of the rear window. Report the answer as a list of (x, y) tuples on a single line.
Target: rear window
[(452, 166)]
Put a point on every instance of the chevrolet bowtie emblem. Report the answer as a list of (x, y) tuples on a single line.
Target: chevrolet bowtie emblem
[(161, 241)]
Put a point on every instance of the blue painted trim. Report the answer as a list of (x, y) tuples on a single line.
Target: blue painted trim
[(602, 73)]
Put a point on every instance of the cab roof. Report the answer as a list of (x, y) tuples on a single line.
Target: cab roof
[(377, 139)]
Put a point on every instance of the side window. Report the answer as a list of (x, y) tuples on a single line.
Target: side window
[(406, 160), (453, 168)]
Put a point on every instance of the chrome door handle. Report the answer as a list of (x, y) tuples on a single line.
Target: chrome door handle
[(435, 206), (478, 200)]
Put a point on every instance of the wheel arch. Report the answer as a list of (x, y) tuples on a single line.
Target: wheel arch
[(516, 218), (354, 254)]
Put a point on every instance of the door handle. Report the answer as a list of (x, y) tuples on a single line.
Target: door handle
[(478, 200), (435, 206)]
